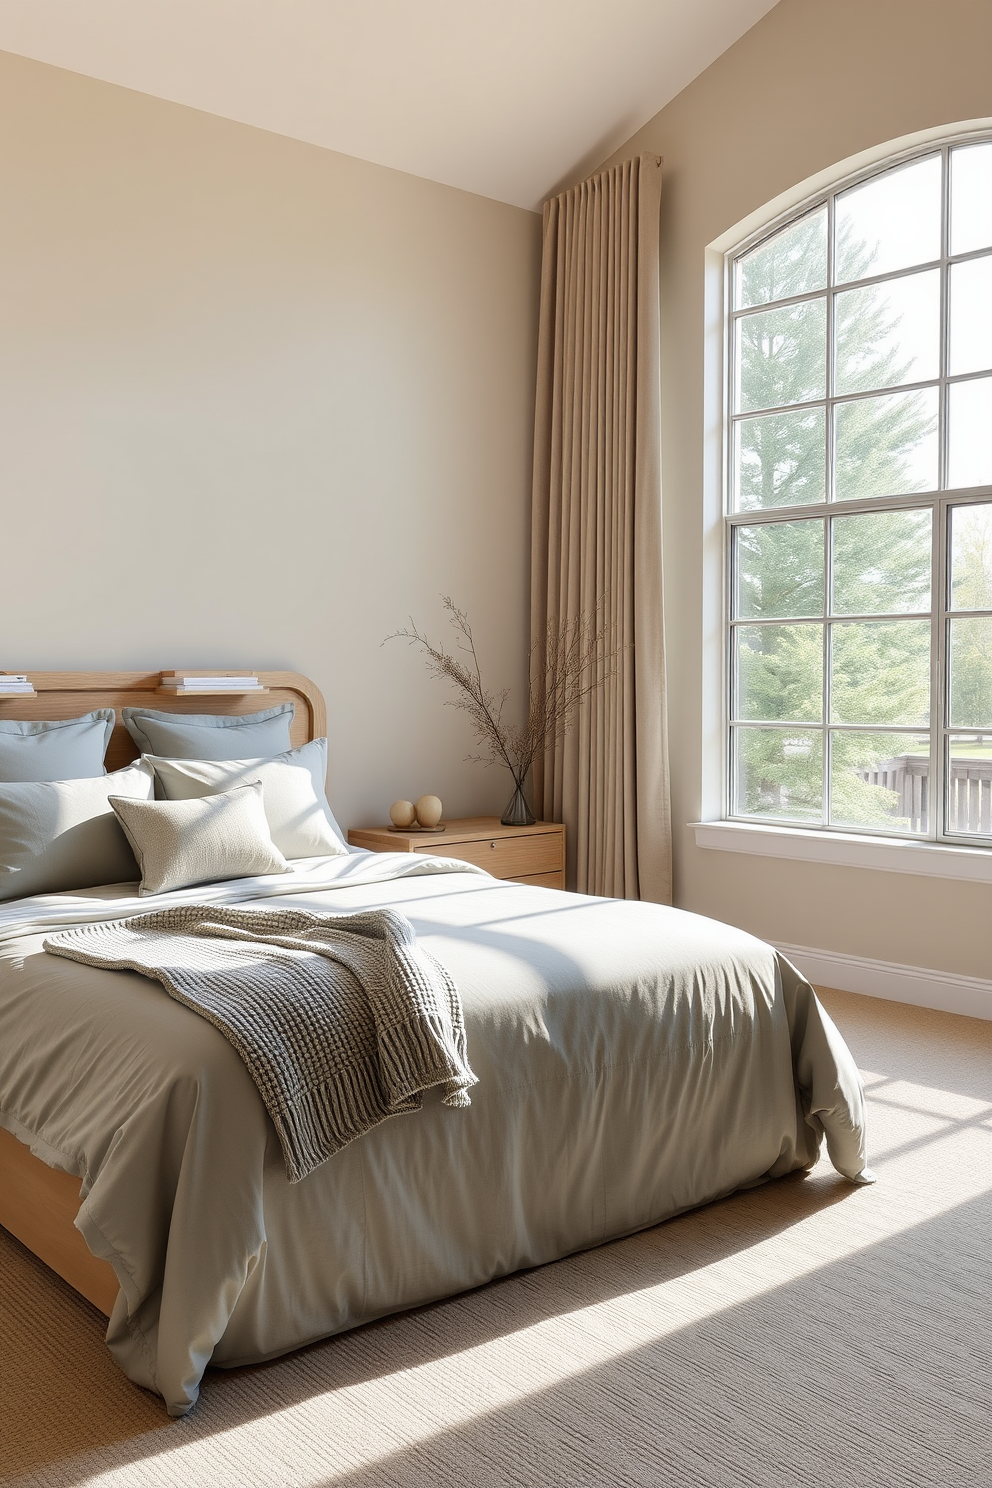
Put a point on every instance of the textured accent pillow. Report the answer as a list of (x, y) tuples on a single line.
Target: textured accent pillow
[(182, 843), (296, 808), (55, 748), (64, 835), (211, 736)]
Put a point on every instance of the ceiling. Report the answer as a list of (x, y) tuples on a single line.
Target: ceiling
[(507, 98)]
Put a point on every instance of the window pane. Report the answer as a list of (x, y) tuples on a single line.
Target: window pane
[(883, 433), (971, 316), (969, 784), (882, 563), (888, 333), (970, 644), (971, 198), (782, 356), (890, 222), (779, 773), (886, 446), (780, 672), (971, 557), (780, 570), (881, 672), (780, 459), (793, 262), (970, 418), (880, 780)]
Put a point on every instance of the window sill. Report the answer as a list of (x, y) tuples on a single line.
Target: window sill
[(847, 850)]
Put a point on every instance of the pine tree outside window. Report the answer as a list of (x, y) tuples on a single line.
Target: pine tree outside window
[(859, 480)]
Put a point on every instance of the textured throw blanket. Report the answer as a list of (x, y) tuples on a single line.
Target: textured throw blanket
[(342, 1020)]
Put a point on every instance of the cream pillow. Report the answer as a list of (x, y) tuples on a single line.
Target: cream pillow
[(296, 808), (182, 843)]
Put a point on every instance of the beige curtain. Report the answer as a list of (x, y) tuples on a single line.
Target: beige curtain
[(597, 524)]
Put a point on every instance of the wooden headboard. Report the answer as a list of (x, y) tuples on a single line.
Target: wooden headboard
[(69, 694)]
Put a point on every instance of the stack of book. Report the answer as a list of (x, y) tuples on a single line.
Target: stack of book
[(12, 684), (218, 682)]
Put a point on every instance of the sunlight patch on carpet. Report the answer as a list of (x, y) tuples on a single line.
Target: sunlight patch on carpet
[(385, 1415)]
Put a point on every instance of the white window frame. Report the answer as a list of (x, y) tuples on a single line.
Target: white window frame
[(949, 854)]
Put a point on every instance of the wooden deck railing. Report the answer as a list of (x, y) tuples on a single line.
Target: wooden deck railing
[(969, 794)]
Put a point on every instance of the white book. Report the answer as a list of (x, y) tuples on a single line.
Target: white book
[(17, 689), (213, 684), (7, 679)]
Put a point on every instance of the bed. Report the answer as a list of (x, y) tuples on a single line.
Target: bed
[(633, 1062)]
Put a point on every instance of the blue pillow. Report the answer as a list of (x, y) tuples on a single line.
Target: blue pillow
[(211, 736), (57, 835), (47, 749)]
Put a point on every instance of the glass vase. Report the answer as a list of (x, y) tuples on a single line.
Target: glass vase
[(517, 813)]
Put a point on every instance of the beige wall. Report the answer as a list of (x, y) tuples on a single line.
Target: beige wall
[(258, 404), (810, 85)]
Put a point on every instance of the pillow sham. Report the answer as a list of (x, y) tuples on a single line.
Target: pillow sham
[(47, 749), (182, 843), (64, 835), (296, 808), (211, 736)]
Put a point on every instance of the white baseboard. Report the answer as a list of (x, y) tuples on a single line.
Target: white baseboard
[(944, 990)]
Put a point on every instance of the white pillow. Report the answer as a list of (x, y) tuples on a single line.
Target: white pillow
[(296, 808), (182, 843), (63, 834)]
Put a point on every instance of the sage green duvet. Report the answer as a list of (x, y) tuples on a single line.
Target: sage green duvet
[(633, 1061)]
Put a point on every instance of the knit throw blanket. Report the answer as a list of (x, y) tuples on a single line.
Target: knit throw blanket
[(342, 1020)]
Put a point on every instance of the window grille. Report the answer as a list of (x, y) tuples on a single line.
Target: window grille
[(859, 506)]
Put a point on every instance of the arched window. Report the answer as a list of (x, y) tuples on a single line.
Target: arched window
[(859, 480)]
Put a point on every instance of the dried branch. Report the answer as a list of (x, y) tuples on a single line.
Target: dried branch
[(580, 656)]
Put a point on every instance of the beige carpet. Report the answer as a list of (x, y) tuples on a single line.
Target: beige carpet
[(806, 1333)]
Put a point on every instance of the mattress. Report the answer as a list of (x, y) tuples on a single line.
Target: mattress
[(634, 1061)]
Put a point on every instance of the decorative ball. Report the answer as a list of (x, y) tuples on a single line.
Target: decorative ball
[(402, 814), (428, 811)]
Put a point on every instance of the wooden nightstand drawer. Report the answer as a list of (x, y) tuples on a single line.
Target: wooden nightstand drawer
[(534, 855), (544, 880), (507, 857)]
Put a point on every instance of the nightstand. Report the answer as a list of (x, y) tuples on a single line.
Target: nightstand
[(534, 855)]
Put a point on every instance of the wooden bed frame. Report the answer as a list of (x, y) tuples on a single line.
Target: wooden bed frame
[(37, 1203)]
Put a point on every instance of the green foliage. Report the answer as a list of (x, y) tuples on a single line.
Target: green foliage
[(876, 438), (780, 570), (780, 774), (881, 561), (793, 262), (854, 800), (971, 673), (972, 557), (856, 803), (780, 672), (971, 640), (881, 672)]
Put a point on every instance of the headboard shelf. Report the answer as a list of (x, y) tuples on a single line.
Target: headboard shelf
[(210, 691), (69, 694), (172, 684), (15, 685)]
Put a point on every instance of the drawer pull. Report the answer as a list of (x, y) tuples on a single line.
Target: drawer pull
[(492, 844)]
